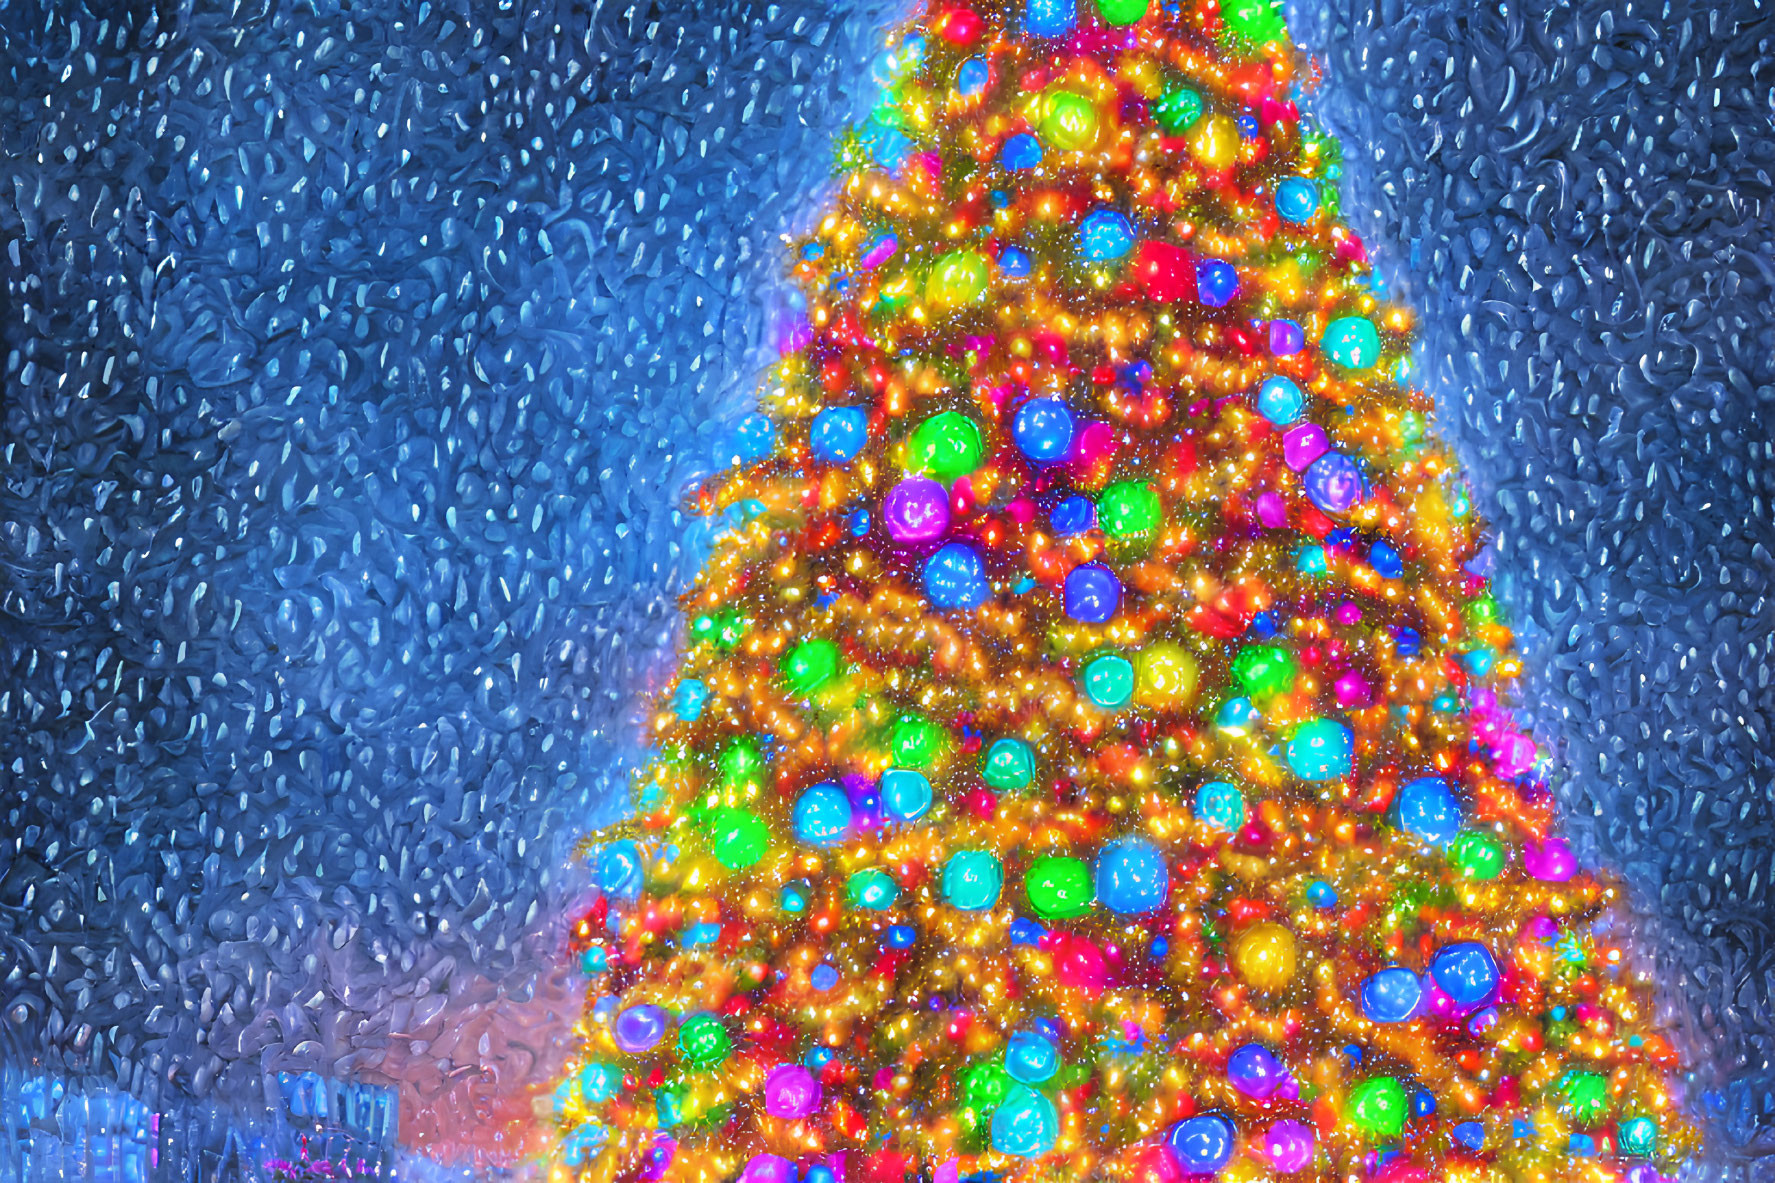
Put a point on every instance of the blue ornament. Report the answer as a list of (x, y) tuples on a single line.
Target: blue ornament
[(1221, 805), (1392, 995), (1385, 560), (1254, 1071), (886, 144), (1013, 262), (901, 936), (1050, 18), (619, 870), (1021, 151), (1105, 235), (972, 78), (1025, 1124), (1334, 483), (599, 1082), (1025, 931), (1043, 429), (955, 577), (972, 880), (838, 434), (1075, 515), (1202, 1144), (688, 699), (1427, 807), (1321, 894), (1132, 878), (1092, 594), (1280, 400), (1466, 973), (823, 815), (905, 794), (1031, 1058), (1321, 750), (1216, 282), (1296, 199), (1470, 1134), (823, 978), (754, 438), (1423, 1103)]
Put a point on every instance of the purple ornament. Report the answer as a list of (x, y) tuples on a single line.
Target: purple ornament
[(1254, 1071), (1304, 444), (1334, 483), (1288, 1144), (791, 1091), (639, 1028), (1286, 338), (768, 1168), (916, 510)]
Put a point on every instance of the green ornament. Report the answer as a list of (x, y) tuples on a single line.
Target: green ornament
[(1178, 110), (1121, 12), (1254, 20), (1109, 681), (972, 880), (702, 1041), (1059, 888), (1478, 856), (1129, 509), (916, 742), (1009, 765), (872, 889), (741, 764), (946, 446), (1264, 670), (957, 279), (1352, 342), (1586, 1096), (810, 665), (1638, 1137), (1377, 1107), (983, 1087), (1069, 121), (738, 837), (1482, 611)]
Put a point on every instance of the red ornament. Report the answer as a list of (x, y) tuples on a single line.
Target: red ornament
[(1166, 271)]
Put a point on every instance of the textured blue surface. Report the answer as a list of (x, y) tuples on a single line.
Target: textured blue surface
[(354, 357)]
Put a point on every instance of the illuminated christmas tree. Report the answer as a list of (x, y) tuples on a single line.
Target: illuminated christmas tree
[(1086, 761)]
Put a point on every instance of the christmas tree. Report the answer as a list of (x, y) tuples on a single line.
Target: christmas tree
[(1087, 760)]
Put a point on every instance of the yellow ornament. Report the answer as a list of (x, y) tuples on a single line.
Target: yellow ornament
[(959, 278), (1164, 676), (1265, 956), (1215, 142), (1069, 121)]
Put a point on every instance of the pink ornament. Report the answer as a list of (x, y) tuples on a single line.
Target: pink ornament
[(1551, 861), (1272, 511), (791, 1091), (1352, 690), (1514, 755)]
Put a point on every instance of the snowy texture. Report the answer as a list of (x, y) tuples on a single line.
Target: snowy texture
[(353, 357)]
